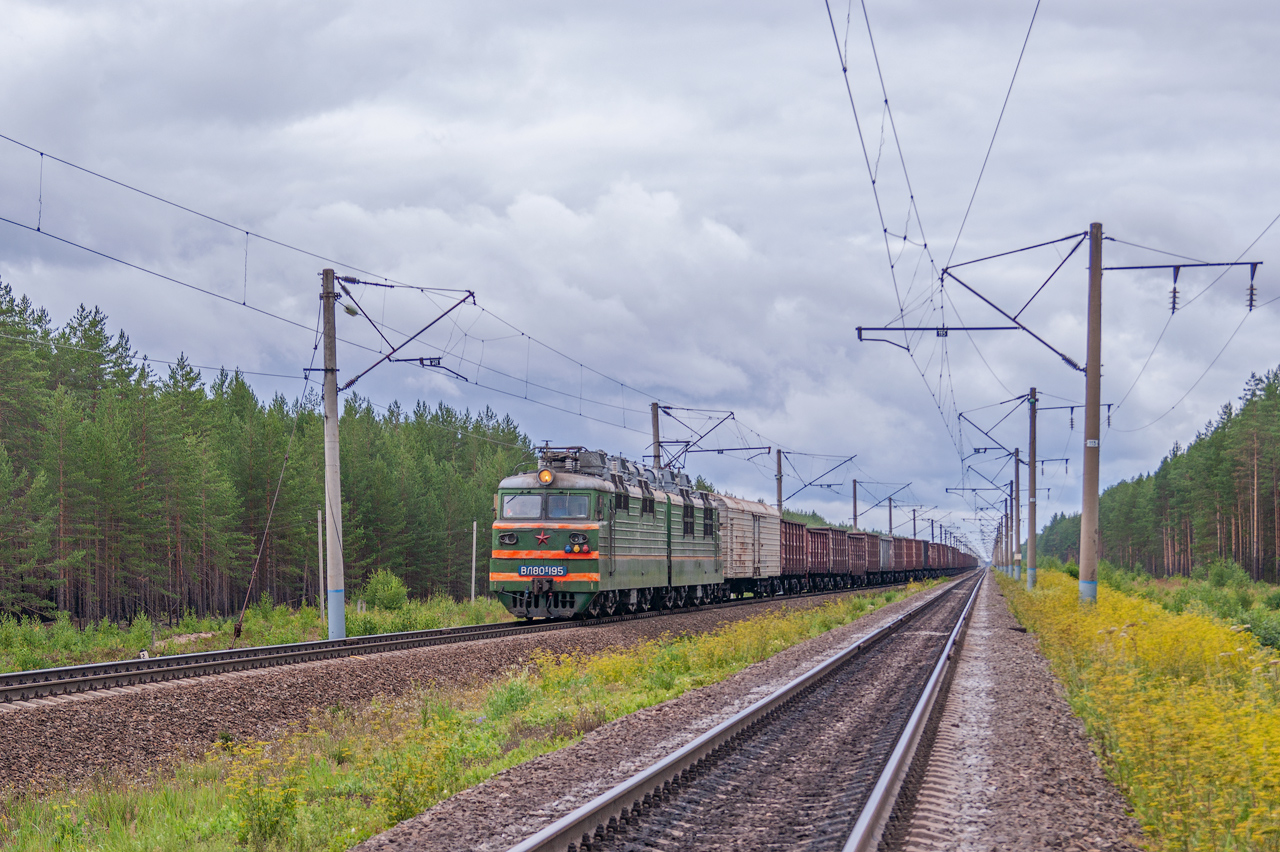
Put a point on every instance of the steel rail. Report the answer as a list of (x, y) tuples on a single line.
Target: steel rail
[(43, 683), (591, 820), (870, 825)]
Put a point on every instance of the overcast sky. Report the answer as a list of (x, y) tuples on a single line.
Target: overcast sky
[(671, 201)]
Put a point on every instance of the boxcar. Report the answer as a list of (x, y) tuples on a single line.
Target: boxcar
[(794, 549), (818, 555), (750, 540), (840, 564), (858, 556), (884, 564)]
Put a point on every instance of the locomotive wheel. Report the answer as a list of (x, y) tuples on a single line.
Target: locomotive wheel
[(645, 600), (668, 598), (595, 606), (611, 603)]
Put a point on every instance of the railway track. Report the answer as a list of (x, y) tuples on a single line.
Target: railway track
[(819, 764), (43, 683)]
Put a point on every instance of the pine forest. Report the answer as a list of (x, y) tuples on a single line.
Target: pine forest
[(1217, 499), (128, 491)]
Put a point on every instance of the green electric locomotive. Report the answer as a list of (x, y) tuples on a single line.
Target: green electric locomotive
[(591, 534)]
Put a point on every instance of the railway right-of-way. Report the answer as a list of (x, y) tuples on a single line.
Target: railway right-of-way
[(1010, 769)]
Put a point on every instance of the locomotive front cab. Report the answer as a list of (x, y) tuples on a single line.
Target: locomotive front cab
[(546, 538)]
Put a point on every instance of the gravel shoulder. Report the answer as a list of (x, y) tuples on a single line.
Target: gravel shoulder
[(131, 732), (1013, 768)]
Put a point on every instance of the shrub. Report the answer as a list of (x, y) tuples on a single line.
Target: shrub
[(1244, 599), (385, 590), (1223, 573)]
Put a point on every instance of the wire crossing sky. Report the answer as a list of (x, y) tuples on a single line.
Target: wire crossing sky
[(670, 202)]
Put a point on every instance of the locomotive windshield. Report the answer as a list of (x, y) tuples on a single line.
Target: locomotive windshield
[(568, 506), (522, 506), (558, 506)]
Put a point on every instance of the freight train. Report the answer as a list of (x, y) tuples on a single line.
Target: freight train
[(590, 534)]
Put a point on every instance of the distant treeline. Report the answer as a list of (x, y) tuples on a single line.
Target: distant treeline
[(123, 492), (1218, 498)]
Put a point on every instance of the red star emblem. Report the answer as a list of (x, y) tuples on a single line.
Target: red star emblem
[(542, 537)]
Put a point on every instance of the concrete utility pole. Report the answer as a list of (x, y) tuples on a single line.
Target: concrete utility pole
[(332, 473), (1008, 528), (1092, 422), (913, 523), (657, 440), (320, 594), (855, 504), (473, 561), (779, 478), (1017, 513), (890, 516), (1031, 495)]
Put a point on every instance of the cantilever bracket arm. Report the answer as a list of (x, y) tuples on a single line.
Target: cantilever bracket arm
[(824, 473), (469, 297), (430, 363), (1069, 360), (938, 330), (862, 339)]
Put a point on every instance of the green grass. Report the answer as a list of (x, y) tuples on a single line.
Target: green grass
[(27, 644), (351, 774)]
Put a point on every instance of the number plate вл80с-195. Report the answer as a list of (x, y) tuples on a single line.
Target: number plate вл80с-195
[(543, 571)]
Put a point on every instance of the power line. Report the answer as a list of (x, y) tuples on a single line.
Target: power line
[(243, 303), (214, 219), (152, 272), (1169, 321), (1194, 384), (994, 133), (875, 192)]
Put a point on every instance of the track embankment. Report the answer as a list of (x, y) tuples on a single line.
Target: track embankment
[(127, 732)]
